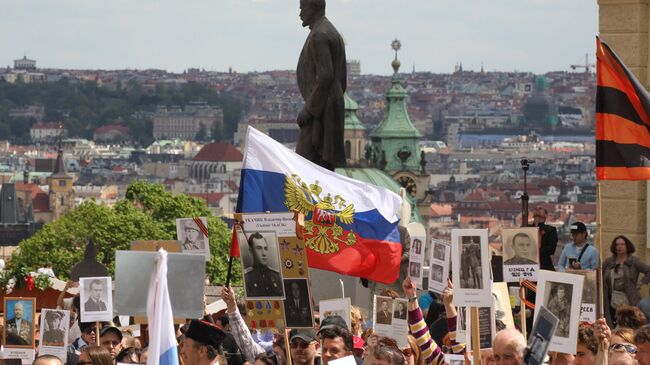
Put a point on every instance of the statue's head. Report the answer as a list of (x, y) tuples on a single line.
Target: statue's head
[(310, 11)]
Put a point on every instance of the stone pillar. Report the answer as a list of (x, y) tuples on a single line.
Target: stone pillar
[(623, 25)]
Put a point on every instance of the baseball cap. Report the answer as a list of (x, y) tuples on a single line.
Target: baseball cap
[(578, 227), (115, 330), (333, 321), (306, 335)]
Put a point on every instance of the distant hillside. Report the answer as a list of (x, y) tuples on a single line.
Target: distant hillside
[(84, 106)]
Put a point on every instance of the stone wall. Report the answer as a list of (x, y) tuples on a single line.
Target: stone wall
[(623, 25)]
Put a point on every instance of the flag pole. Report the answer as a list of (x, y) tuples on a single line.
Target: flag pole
[(599, 282), (229, 271)]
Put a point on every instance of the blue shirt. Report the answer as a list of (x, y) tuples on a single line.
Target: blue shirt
[(588, 261)]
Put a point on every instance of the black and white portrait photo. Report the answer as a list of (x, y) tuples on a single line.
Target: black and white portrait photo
[(414, 269), (383, 313), (520, 246), (439, 251), (297, 305), (558, 302), (560, 294), (54, 324), (436, 273), (470, 263), (96, 299), (399, 309), (260, 258), (192, 236), (470, 267), (417, 246), (19, 322)]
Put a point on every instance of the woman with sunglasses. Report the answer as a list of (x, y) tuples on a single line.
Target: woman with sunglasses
[(621, 277), (95, 355)]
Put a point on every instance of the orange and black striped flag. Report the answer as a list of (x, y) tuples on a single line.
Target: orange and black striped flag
[(622, 120)]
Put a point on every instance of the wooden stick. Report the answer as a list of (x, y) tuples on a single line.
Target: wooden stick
[(522, 309), (229, 272), (97, 334), (476, 336), (287, 345), (599, 281)]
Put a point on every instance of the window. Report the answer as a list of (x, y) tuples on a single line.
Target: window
[(62, 183)]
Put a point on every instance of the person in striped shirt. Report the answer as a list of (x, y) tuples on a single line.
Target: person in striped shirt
[(431, 352)]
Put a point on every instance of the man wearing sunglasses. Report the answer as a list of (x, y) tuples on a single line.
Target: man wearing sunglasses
[(303, 346), (642, 339), (622, 354)]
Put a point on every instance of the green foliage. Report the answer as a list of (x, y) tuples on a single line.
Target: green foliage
[(84, 106), (148, 212)]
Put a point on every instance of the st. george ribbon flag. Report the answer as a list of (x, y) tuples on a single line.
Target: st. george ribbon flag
[(162, 337), (622, 120), (350, 226)]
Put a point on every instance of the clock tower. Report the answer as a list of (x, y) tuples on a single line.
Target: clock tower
[(61, 193), (395, 142)]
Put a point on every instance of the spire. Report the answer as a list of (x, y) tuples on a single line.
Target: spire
[(59, 167)]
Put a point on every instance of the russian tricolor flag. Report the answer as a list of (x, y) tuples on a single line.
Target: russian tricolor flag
[(350, 226), (162, 337)]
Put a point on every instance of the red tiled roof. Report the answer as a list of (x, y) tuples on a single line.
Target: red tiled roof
[(40, 199), (441, 210), (223, 152), (210, 198)]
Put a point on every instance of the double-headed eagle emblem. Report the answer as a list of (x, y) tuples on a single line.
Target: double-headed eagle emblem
[(322, 233)]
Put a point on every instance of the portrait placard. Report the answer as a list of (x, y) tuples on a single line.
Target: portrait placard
[(260, 258), (391, 318), (461, 324), (502, 309), (339, 306), (561, 294), (588, 308), (540, 337), (19, 322), (439, 258), (298, 312), (54, 332), (416, 260), (18, 356), (453, 359), (185, 279), (486, 329), (193, 235), (520, 253), (282, 255), (96, 299), (471, 268)]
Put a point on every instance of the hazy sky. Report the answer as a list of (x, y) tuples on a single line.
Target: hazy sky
[(249, 35)]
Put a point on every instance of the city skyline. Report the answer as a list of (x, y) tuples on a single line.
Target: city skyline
[(262, 35)]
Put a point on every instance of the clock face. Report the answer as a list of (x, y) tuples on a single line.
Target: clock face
[(408, 184)]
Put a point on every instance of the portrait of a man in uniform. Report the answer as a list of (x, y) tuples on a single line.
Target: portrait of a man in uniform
[(524, 250), (54, 331), (262, 276)]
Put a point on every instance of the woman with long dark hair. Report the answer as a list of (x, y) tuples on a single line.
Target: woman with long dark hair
[(95, 355), (621, 277)]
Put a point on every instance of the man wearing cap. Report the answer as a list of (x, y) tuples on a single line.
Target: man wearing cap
[(193, 236), (54, 334), (303, 346), (201, 343), (260, 279), (579, 255), (111, 339)]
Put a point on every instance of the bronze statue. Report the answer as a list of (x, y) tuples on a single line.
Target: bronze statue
[(322, 79)]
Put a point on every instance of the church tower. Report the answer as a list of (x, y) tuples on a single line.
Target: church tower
[(355, 133), (395, 142), (60, 185)]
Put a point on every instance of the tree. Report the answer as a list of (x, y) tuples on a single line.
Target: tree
[(147, 212)]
